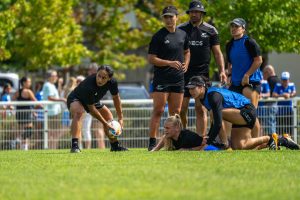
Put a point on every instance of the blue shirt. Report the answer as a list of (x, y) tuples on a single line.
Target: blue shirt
[(241, 61), (230, 99), (279, 89), (6, 97)]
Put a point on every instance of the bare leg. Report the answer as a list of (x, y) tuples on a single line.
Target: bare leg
[(201, 118), (159, 102), (184, 111), (241, 139)]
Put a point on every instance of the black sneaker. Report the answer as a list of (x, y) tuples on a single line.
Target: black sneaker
[(118, 148), (152, 144), (289, 143), (75, 150)]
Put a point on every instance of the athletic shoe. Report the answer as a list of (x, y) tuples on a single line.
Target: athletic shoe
[(75, 150), (118, 148), (289, 143), (273, 143), (152, 144)]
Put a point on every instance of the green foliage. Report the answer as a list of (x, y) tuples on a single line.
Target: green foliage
[(139, 174), (46, 34), (108, 32), (274, 24)]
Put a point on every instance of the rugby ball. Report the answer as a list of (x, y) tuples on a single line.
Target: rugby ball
[(117, 128)]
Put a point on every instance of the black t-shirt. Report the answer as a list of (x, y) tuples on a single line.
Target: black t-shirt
[(201, 40), (88, 93), (168, 46), (187, 139), (273, 80)]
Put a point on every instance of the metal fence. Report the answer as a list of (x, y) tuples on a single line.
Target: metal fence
[(53, 132)]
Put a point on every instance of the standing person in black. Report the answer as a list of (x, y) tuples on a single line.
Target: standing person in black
[(170, 55), (203, 39), (24, 114), (86, 97)]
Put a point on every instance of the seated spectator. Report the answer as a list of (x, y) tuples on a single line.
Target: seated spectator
[(287, 90)]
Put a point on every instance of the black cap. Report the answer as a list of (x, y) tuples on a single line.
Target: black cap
[(195, 81), (170, 10), (239, 22), (196, 5)]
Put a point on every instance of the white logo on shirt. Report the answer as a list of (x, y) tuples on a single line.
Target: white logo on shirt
[(196, 43), (204, 35), (167, 42), (96, 94)]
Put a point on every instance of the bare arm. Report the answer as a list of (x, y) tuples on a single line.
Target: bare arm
[(153, 59), (160, 144), (255, 65), (220, 62), (187, 56), (118, 106), (95, 113)]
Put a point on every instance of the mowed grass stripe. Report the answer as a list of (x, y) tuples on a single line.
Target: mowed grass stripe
[(139, 174)]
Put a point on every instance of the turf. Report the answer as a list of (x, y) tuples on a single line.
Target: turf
[(138, 174)]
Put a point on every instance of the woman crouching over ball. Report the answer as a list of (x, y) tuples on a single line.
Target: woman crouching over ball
[(177, 138), (86, 98)]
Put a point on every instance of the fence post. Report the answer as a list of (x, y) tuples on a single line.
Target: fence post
[(45, 127), (295, 116)]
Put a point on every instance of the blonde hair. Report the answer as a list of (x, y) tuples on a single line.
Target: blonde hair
[(175, 121)]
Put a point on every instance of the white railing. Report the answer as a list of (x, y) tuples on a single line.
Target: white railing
[(136, 120)]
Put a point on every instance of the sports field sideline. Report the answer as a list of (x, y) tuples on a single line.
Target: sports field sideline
[(139, 174)]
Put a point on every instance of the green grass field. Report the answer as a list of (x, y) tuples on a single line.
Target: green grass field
[(139, 174)]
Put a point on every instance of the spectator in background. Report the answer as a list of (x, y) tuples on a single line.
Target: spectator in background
[(24, 113), (50, 93), (67, 89), (203, 40), (169, 53), (5, 96), (287, 90), (39, 122), (263, 109), (7, 117), (269, 118), (244, 60), (89, 125)]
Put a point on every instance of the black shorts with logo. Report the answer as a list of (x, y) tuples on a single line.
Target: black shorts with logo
[(248, 112), (255, 86), (72, 98), (168, 88)]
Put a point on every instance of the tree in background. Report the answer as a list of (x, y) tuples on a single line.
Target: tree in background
[(44, 34), (39, 34), (109, 34)]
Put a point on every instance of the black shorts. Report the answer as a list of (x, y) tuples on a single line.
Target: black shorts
[(168, 88), (187, 77), (255, 86), (72, 98), (248, 112), (24, 116)]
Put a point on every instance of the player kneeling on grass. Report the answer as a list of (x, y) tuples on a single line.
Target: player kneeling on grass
[(238, 110), (86, 97)]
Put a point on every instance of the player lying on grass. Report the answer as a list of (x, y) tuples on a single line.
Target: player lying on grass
[(238, 110), (177, 138), (86, 98)]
